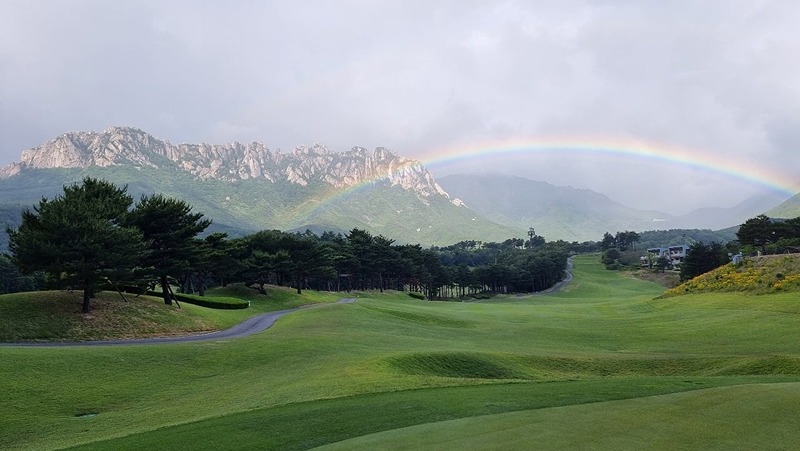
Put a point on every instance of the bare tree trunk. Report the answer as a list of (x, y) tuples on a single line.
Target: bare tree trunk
[(87, 292), (173, 295), (165, 290), (120, 293)]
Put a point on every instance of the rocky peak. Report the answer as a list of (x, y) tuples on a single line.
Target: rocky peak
[(234, 161)]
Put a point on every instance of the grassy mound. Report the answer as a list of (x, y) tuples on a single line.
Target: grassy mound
[(758, 275), (549, 368), (455, 364), (276, 298), (56, 316), (427, 318)]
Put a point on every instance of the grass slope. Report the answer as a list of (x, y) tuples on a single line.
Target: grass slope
[(336, 372), (56, 315), (756, 275)]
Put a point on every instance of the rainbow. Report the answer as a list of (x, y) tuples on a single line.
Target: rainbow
[(620, 147), (603, 147)]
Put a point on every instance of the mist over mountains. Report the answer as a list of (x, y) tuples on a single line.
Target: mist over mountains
[(573, 214), (248, 187)]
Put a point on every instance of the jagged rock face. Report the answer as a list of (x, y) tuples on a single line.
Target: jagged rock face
[(234, 161)]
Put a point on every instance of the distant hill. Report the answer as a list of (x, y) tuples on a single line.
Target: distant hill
[(720, 218), (250, 187), (674, 237), (786, 210), (555, 212), (571, 214)]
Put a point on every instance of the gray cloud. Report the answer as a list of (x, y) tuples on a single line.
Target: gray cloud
[(417, 77)]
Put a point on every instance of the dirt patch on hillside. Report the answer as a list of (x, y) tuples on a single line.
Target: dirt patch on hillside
[(667, 279)]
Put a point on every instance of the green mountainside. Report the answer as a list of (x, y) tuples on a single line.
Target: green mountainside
[(787, 210), (242, 206)]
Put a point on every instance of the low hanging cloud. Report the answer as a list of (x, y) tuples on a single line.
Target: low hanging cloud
[(417, 77)]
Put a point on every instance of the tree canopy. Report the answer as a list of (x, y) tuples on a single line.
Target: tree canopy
[(80, 238), (702, 258), (169, 227)]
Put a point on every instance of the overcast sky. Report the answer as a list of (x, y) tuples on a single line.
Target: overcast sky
[(719, 77)]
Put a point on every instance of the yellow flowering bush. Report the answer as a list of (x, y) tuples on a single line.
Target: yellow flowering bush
[(766, 274)]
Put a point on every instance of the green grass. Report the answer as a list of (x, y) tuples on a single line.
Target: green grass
[(739, 417), (339, 371), (56, 315)]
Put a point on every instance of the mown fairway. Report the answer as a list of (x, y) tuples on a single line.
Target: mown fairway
[(576, 368)]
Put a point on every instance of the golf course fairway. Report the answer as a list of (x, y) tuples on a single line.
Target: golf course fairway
[(600, 364)]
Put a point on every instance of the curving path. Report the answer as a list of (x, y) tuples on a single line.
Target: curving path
[(560, 285), (247, 327)]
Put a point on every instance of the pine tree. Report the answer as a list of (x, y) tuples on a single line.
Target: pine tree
[(169, 227), (79, 238)]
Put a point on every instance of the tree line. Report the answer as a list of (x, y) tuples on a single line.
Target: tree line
[(769, 235), (93, 236)]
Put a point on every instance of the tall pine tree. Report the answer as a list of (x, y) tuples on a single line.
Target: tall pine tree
[(80, 238), (169, 227)]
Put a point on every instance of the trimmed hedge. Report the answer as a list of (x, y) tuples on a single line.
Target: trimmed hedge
[(213, 302), (217, 302)]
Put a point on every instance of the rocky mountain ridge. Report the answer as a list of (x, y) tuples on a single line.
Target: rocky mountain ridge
[(118, 146)]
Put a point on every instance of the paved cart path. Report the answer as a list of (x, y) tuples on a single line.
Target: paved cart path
[(560, 285), (247, 327)]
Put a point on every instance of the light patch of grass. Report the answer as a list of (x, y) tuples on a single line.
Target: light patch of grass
[(430, 319), (739, 417), (277, 298)]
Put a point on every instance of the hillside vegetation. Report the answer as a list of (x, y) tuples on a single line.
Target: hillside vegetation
[(757, 275)]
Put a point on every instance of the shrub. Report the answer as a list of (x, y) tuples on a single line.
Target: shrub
[(417, 295), (216, 302), (226, 303)]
